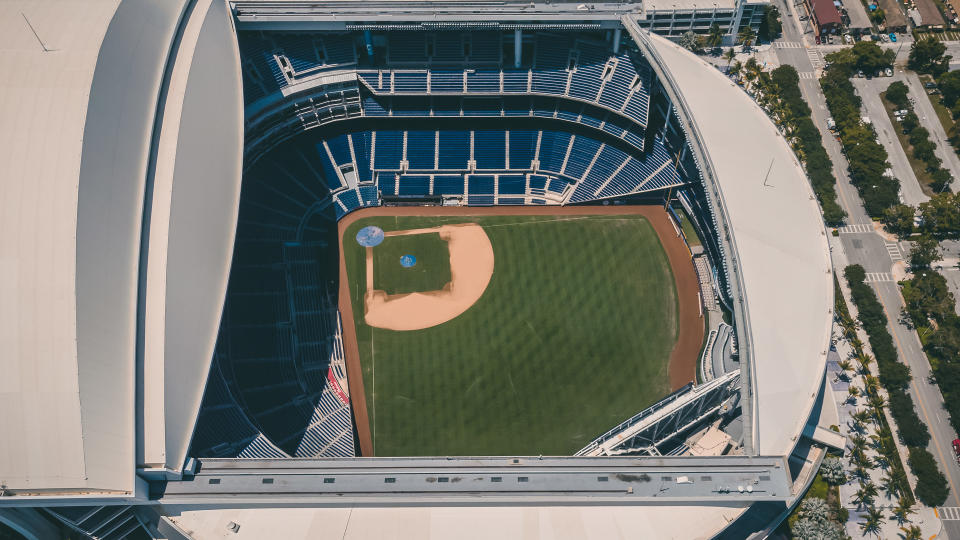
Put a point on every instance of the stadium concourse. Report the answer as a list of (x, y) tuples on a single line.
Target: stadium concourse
[(174, 175)]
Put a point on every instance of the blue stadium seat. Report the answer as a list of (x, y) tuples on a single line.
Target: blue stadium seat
[(489, 149), (408, 47), (410, 82), (511, 185), (581, 155), (448, 185), (414, 185), (523, 148), (553, 150), (446, 80), (480, 80), (454, 150), (388, 150), (479, 184), (421, 149)]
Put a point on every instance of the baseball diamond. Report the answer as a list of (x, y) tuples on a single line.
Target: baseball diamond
[(590, 313)]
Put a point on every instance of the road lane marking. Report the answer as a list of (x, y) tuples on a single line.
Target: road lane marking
[(894, 251), (878, 277), (856, 228)]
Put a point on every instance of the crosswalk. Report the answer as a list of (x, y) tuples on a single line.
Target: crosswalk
[(807, 75), (789, 45), (949, 513), (856, 228), (894, 250), (815, 58), (878, 277)]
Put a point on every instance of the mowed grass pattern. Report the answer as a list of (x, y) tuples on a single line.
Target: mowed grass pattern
[(431, 272), (572, 336)]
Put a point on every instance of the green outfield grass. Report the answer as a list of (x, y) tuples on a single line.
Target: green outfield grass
[(572, 336), (431, 272)]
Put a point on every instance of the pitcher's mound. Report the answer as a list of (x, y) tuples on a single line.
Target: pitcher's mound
[(471, 267)]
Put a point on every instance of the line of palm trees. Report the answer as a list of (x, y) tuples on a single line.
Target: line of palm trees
[(859, 460)]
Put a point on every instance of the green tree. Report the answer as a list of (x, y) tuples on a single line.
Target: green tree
[(941, 215), (746, 37), (770, 26), (910, 122), (942, 179), (864, 495), (899, 219), (912, 532), (729, 55), (877, 16), (691, 42), (949, 86), (872, 521), (832, 471), (897, 94), (714, 37), (924, 252), (902, 511), (926, 56), (932, 487), (870, 58)]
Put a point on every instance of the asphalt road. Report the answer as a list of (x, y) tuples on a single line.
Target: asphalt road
[(874, 253), (869, 92)]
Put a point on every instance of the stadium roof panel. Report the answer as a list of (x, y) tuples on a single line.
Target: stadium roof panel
[(43, 103), (781, 246), (83, 101)]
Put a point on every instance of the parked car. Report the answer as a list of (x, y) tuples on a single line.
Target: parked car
[(930, 85), (888, 72), (848, 39), (893, 37)]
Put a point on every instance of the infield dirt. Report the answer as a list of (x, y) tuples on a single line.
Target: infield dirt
[(683, 357)]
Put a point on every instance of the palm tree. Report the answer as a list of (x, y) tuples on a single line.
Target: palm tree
[(746, 37), (861, 415), (912, 532), (845, 366), (735, 69), (729, 55), (865, 495), (902, 511), (877, 402), (848, 325), (864, 360), (714, 37), (861, 473), (872, 523), (853, 392), (891, 487), (871, 384)]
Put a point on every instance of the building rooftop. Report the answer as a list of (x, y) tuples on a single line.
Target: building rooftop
[(826, 12), (781, 246)]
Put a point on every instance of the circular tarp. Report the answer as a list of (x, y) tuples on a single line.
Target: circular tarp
[(370, 236), (407, 261)]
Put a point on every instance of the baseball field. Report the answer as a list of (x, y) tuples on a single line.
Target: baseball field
[(512, 331)]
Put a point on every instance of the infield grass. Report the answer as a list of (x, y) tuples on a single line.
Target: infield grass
[(431, 271), (572, 336)]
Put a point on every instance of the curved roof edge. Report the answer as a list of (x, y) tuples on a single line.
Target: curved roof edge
[(779, 244), (192, 226)]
